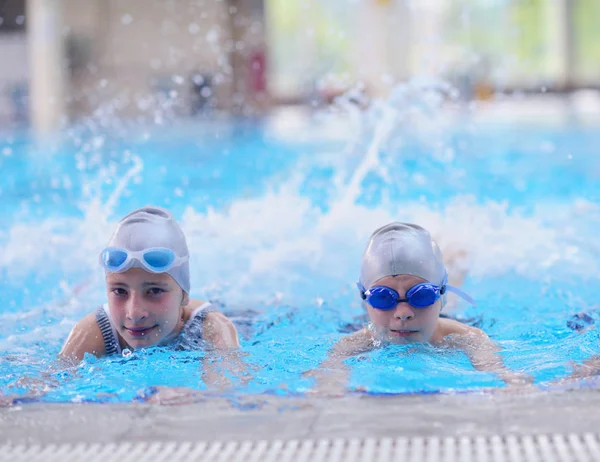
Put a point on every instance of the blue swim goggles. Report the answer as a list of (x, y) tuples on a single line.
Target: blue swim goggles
[(154, 260), (419, 296)]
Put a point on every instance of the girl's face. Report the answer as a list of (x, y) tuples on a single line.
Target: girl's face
[(404, 323), (147, 308)]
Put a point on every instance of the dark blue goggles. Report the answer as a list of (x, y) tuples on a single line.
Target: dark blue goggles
[(419, 296)]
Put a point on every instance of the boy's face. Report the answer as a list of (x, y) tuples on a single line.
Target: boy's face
[(404, 323), (146, 308)]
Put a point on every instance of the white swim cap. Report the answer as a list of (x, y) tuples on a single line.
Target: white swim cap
[(150, 227)]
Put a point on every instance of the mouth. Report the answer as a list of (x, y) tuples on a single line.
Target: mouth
[(403, 332), (139, 332)]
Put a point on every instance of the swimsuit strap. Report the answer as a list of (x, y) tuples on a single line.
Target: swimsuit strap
[(192, 331), (108, 332)]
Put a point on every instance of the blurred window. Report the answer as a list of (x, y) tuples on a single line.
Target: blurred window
[(12, 16), (586, 35)]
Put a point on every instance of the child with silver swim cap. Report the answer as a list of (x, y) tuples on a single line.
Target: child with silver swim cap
[(146, 264), (403, 284)]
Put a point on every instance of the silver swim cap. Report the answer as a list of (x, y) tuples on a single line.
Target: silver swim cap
[(404, 248), (149, 227)]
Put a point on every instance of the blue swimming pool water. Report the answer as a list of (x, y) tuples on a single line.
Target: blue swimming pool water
[(276, 221)]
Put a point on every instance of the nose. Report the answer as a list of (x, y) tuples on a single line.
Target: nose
[(135, 311), (404, 311)]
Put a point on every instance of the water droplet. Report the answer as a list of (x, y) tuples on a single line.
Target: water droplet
[(213, 35), (126, 19), (547, 146), (126, 353)]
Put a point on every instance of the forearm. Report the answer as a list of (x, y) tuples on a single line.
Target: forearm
[(224, 369), (589, 368), (39, 385), (331, 377), (485, 357)]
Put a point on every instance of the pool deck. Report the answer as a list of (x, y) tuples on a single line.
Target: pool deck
[(260, 418)]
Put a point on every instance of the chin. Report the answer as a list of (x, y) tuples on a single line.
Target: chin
[(415, 338), (401, 341), (135, 343), (142, 342)]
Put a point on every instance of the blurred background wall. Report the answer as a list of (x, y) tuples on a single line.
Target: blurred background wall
[(65, 60)]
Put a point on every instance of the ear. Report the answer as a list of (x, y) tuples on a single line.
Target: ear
[(185, 299)]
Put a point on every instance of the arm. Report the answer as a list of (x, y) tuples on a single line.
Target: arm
[(222, 358), (589, 368), (223, 355), (332, 375), (219, 332), (85, 337), (483, 353)]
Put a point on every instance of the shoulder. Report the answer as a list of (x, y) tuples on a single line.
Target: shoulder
[(457, 334), (219, 331), (85, 337), (193, 304), (354, 344)]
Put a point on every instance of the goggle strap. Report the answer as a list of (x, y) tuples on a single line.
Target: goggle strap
[(132, 257), (461, 294), (361, 290)]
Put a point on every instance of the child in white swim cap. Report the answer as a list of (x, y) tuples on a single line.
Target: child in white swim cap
[(403, 284), (146, 264)]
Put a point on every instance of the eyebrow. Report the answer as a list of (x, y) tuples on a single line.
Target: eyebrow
[(152, 283), (145, 284)]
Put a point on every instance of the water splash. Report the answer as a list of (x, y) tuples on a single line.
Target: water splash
[(294, 248)]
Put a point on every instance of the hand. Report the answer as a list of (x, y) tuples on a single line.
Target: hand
[(170, 396), (516, 378), (518, 381), (5, 400), (36, 386), (590, 368), (327, 385), (327, 391)]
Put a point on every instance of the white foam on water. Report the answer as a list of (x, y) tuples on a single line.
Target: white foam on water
[(257, 247)]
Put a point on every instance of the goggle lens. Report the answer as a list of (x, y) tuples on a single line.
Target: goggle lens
[(422, 295), (113, 258), (419, 296), (382, 299), (159, 259)]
